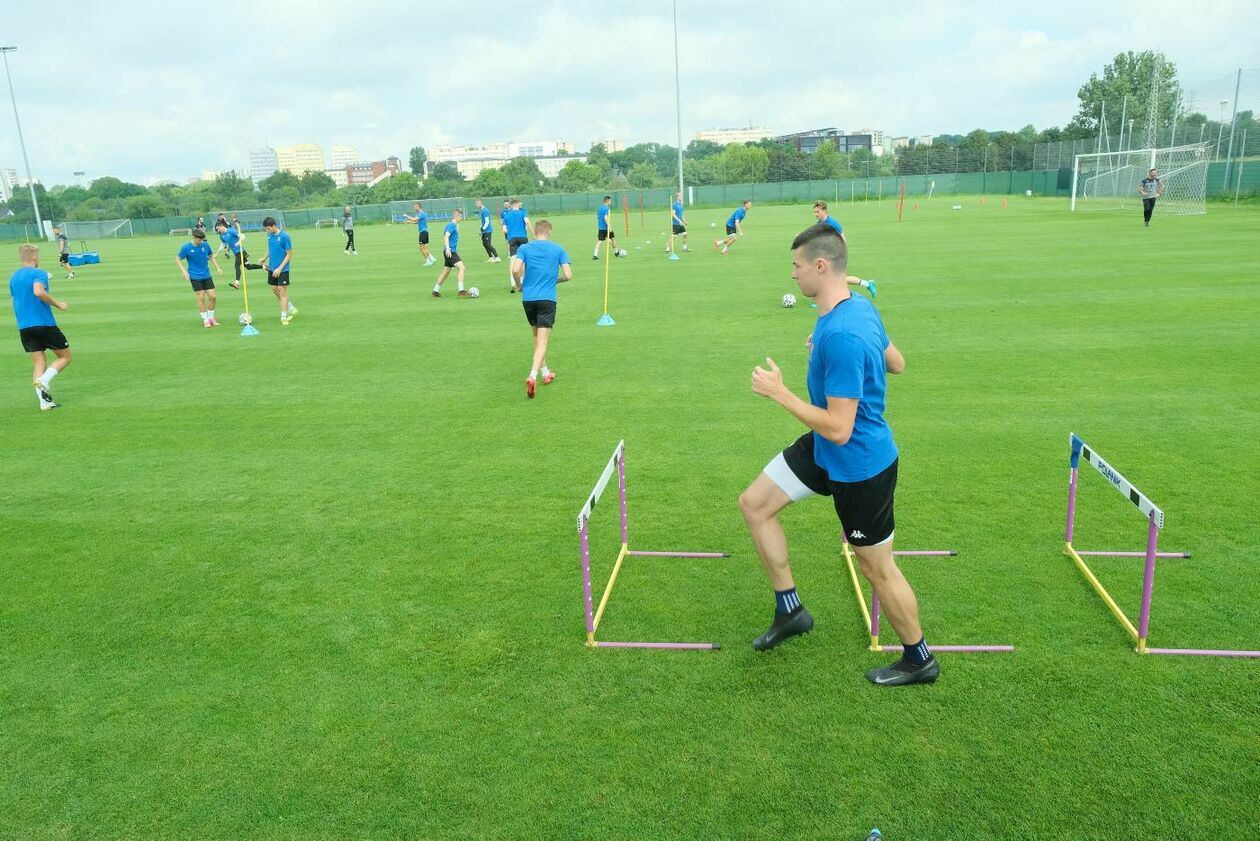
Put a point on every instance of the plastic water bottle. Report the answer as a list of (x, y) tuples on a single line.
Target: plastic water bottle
[(875, 835)]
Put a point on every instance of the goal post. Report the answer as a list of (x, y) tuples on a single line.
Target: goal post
[(1110, 180), (251, 220), (98, 230)]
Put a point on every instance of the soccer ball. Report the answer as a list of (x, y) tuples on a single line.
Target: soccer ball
[(246, 319), (622, 253), (789, 301), (474, 292)]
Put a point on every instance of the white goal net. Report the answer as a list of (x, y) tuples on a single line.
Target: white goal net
[(1110, 180), (97, 230)]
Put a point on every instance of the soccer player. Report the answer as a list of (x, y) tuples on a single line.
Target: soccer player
[(201, 224), (278, 263), (492, 255), (678, 226), (450, 254), (198, 256), (422, 228), (825, 218), (347, 225), (63, 250), (516, 228), (539, 266), (230, 240), (734, 227), (604, 231), (30, 288), (1150, 189), (847, 454)]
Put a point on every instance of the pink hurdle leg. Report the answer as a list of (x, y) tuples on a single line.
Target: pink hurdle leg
[(586, 581), (1071, 512), (1148, 582)]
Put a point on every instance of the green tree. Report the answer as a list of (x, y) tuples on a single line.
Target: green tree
[(69, 196), (699, 149), (316, 183), (1129, 74), (279, 180), (445, 171), (740, 164), (490, 182), (400, 187), (577, 177), (227, 186), (110, 187), (523, 176), (147, 206), (49, 206), (642, 174), (826, 161), (416, 160), (91, 210)]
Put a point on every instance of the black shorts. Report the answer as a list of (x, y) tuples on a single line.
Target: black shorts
[(680, 229), (64, 259), (865, 508), (515, 243), (201, 285), (730, 230), (424, 237), (450, 262), (282, 280), (36, 339), (608, 234), (540, 313)]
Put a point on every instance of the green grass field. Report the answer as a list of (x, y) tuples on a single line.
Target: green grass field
[(325, 582)]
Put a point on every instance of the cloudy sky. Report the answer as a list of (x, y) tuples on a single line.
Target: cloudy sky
[(147, 89)]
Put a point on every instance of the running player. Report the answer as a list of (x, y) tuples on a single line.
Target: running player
[(516, 229), (198, 256), (422, 228), (677, 225), (539, 266), (483, 213), (230, 240), (734, 227), (825, 218), (848, 454), (604, 231), (450, 254), (31, 290), (63, 250)]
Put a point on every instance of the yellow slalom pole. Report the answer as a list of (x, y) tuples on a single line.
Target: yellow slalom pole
[(607, 270), (603, 602), (861, 597), (1106, 597)]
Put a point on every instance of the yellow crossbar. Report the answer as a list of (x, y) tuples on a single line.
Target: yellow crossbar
[(612, 579), (1102, 591), (861, 597)]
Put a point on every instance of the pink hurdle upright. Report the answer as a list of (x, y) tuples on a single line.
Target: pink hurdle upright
[(617, 464), (1154, 523)]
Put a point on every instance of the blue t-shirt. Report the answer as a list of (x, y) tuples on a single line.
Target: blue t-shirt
[(848, 361), (737, 216), (232, 239), (833, 224), (453, 230), (601, 216), (543, 259), (515, 221), (31, 311), (503, 215), (422, 221), (678, 211), (198, 257), (277, 244), (485, 220)]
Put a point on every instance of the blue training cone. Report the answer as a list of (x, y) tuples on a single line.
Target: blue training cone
[(605, 320), (249, 330), (673, 256)]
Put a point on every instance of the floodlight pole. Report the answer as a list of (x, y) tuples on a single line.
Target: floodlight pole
[(1220, 132), (678, 103), (1233, 121), (30, 181)]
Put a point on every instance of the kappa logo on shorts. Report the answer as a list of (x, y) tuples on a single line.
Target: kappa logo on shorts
[(856, 535)]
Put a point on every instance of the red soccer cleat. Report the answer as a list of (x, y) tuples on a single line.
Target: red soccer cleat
[(530, 385), (549, 377)]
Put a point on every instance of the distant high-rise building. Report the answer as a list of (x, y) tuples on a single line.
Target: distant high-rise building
[(300, 158), (263, 163), (921, 140), (339, 156), (209, 174), (734, 135), (371, 172), (610, 144), (8, 182)]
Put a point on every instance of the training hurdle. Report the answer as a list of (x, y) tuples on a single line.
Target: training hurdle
[(617, 463), (870, 616), (1155, 522)]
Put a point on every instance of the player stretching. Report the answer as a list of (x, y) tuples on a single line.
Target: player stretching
[(483, 213), (198, 256), (1150, 189), (450, 255), (825, 218), (422, 228), (516, 229), (848, 454), (31, 290), (230, 240), (347, 225), (539, 266), (63, 251), (278, 263), (734, 227), (604, 231), (678, 226)]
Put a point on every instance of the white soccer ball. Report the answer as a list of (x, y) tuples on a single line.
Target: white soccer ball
[(474, 292), (713, 224), (246, 319), (622, 253), (789, 300)]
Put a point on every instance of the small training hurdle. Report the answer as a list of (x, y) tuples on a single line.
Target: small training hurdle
[(618, 463), (1155, 522), (870, 616)]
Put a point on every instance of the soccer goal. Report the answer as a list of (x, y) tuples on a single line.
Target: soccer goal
[(617, 465), (97, 230), (1155, 523), (1110, 180), (327, 223), (251, 220), (436, 208)]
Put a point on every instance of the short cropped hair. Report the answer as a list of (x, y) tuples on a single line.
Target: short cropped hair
[(607, 198), (198, 233), (820, 204), (542, 226), (822, 241), (222, 223), (269, 222), (27, 251)]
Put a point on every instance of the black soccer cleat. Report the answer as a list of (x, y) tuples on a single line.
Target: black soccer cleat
[(784, 627), (904, 673), (252, 266)]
